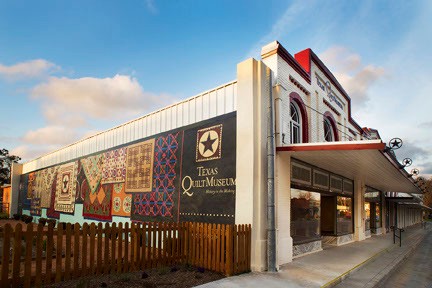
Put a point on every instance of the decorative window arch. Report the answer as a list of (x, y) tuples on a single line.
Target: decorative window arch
[(299, 124), (295, 123), (330, 129)]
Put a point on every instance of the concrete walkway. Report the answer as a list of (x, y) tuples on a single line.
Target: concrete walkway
[(361, 264)]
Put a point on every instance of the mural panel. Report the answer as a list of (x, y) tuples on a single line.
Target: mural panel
[(161, 203), (66, 188), (209, 183), (187, 174), (139, 166)]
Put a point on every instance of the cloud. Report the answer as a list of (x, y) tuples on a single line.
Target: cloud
[(151, 6), (30, 69), (426, 168), (78, 108), (72, 101), (52, 135), (413, 151), (425, 125), (354, 76), (28, 152)]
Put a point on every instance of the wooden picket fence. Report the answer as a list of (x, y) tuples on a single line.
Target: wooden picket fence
[(40, 255)]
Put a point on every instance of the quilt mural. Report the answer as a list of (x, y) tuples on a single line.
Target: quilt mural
[(187, 174), (92, 167), (97, 205), (114, 166), (44, 180), (139, 167), (161, 203), (31, 184), (66, 188), (51, 213), (82, 186), (121, 203)]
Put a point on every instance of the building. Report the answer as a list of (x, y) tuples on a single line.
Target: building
[(276, 148)]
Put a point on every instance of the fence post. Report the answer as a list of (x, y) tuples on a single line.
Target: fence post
[(28, 255), (4, 277), (229, 250), (58, 257)]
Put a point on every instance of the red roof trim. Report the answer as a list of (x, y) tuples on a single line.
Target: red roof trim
[(302, 56), (281, 51), (333, 147)]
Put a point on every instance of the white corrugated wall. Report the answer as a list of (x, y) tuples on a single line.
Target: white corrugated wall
[(215, 102)]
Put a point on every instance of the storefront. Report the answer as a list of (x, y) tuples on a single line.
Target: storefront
[(321, 207), (373, 211)]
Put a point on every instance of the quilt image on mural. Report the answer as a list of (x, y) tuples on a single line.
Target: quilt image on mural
[(160, 203), (139, 166), (98, 205), (51, 213), (66, 188), (114, 166), (121, 202)]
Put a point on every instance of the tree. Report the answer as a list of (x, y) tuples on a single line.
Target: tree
[(6, 161), (426, 186)]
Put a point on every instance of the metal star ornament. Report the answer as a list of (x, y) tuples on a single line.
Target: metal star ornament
[(407, 162), (395, 143)]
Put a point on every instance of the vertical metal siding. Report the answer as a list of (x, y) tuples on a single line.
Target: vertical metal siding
[(209, 104)]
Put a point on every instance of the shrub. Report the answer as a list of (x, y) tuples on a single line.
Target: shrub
[(27, 219), (43, 221), (4, 215), (16, 216), (51, 222)]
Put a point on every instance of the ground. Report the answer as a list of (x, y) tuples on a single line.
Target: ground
[(175, 277)]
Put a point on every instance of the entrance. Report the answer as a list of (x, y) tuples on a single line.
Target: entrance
[(328, 215)]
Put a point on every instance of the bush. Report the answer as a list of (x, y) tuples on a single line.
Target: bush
[(4, 215), (51, 222), (16, 216), (27, 219), (43, 221)]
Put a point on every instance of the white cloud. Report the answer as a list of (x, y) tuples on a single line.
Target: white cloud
[(28, 152), (29, 69), (354, 76), (77, 108), (72, 101), (52, 135)]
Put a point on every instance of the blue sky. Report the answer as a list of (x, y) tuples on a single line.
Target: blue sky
[(70, 69)]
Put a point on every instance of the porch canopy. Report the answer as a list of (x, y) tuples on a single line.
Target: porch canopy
[(358, 160)]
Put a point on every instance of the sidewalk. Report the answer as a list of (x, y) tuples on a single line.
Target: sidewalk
[(362, 264)]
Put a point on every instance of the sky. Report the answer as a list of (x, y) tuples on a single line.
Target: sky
[(69, 69)]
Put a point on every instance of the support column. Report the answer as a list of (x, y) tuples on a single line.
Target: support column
[(253, 92), (16, 172), (359, 213), (284, 241)]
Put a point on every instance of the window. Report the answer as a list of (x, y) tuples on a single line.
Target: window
[(295, 124), (329, 134), (305, 216), (344, 215)]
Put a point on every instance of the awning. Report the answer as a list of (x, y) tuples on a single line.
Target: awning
[(358, 160)]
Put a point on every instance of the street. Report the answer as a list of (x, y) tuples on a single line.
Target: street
[(416, 270)]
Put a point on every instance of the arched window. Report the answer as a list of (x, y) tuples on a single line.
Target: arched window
[(295, 124), (330, 128), (329, 134)]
